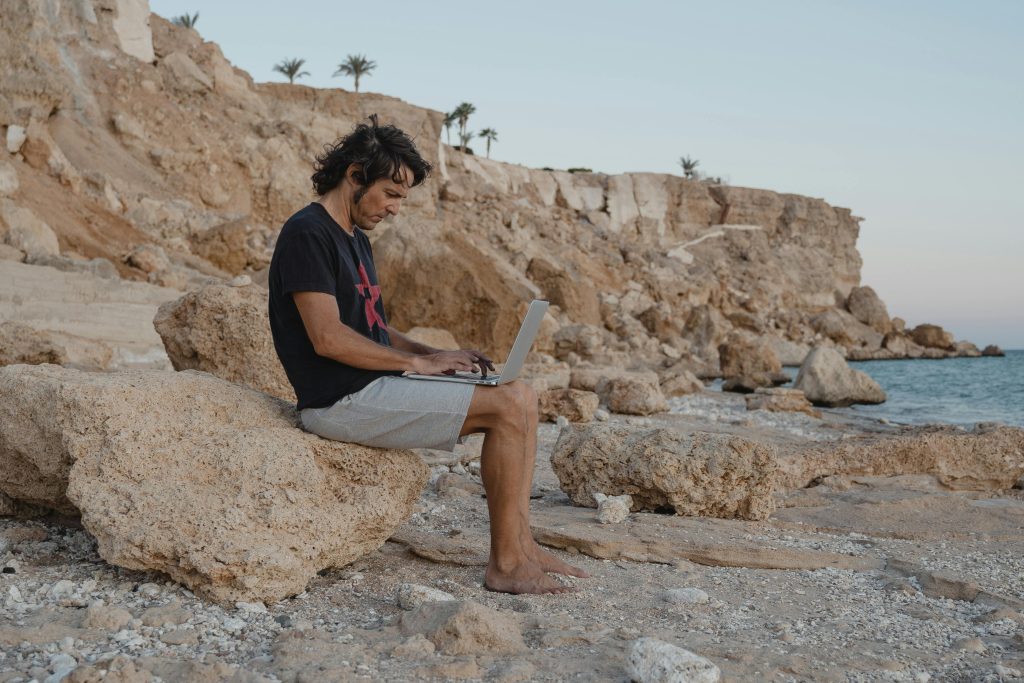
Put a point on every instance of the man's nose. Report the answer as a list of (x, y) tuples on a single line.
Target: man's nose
[(393, 208)]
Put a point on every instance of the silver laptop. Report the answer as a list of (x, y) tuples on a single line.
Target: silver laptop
[(516, 357)]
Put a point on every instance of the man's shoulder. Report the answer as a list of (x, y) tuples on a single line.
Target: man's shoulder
[(306, 220)]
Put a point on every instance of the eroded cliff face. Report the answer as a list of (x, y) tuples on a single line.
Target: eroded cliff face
[(135, 141)]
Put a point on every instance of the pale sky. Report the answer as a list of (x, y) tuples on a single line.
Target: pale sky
[(911, 113)]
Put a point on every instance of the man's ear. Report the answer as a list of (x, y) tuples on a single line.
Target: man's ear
[(356, 175)]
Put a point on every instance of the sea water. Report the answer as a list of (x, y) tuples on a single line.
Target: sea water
[(960, 391)]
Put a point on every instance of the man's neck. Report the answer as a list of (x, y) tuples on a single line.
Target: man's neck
[(337, 208)]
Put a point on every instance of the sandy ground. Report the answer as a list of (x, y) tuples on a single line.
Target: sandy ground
[(855, 579)]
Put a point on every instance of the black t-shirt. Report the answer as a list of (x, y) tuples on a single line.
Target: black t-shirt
[(314, 254)]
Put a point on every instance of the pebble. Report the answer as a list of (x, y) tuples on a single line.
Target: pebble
[(562, 422), (601, 415), (655, 661), (411, 595), (62, 589), (613, 509), (232, 624), (251, 607), (686, 596), (240, 281)]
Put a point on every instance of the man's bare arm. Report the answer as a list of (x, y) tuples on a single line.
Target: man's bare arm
[(403, 343), (333, 339)]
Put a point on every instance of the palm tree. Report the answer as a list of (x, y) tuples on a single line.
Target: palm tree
[(449, 119), (689, 166), (186, 20), (462, 114), (291, 69), (466, 137), (490, 135), (356, 66)]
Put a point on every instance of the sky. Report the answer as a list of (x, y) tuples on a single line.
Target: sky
[(911, 114)]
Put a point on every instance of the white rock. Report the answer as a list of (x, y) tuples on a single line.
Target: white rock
[(27, 231), (562, 421), (686, 596), (412, 595), (149, 590), (655, 661), (601, 414), (132, 28), (16, 136), (613, 509), (8, 178), (14, 594), (62, 589), (240, 281), (233, 624), (251, 607)]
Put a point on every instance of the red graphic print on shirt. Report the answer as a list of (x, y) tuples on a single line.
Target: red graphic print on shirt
[(371, 294)]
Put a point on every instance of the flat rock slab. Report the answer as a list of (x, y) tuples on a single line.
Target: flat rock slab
[(981, 460), (667, 539), (207, 481)]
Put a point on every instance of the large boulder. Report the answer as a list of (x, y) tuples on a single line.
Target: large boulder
[(225, 331), (932, 337), (633, 393), (827, 380), (866, 306), (845, 330), (698, 473), (992, 350), (749, 363), (206, 481), (985, 459), (574, 405)]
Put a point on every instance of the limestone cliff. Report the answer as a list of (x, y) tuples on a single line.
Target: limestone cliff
[(125, 130)]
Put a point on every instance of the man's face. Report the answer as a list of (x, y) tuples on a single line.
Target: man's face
[(382, 199)]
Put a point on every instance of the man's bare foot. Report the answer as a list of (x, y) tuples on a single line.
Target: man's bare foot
[(526, 578), (549, 563)]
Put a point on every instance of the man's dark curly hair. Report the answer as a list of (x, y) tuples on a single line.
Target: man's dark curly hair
[(381, 150)]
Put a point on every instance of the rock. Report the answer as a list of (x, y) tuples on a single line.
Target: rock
[(984, 460), (698, 473), (22, 344), (677, 380), (779, 400), (789, 353), (9, 253), (574, 404), (102, 324), (224, 331), (866, 306), (228, 247), (149, 258), (842, 328), (16, 137), (992, 350), (464, 627), (743, 357), (131, 26), (411, 595), (562, 285), (215, 485), (26, 231), (966, 349), (184, 74), (827, 380), (685, 596), (432, 336), (897, 343), (414, 647), (655, 661), (8, 179), (932, 336), (106, 617), (161, 615), (612, 509), (634, 393)]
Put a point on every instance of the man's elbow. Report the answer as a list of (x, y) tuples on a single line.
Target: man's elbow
[(323, 345)]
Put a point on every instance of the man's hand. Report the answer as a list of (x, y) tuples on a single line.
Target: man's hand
[(450, 362)]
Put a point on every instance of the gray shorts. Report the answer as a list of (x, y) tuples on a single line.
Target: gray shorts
[(395, 412)]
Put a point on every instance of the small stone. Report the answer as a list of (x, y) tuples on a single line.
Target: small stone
[(105, 617), (16, 136), (149, 589), (464, 627), (251, 607), (284, 620), (922, 677), (179, 636), (601, 415), (1006, 672), (613, 509), (233, 624), (561, 421), (62, 589), (411, 595), (655, 661), (240, 281), (685, 596)]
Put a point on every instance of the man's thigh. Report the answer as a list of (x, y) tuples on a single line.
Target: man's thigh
[(396, 412)]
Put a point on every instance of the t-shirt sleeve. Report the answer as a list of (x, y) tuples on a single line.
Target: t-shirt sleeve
[(305, 264)]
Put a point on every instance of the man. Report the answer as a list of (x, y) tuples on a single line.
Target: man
[(345, 363)]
